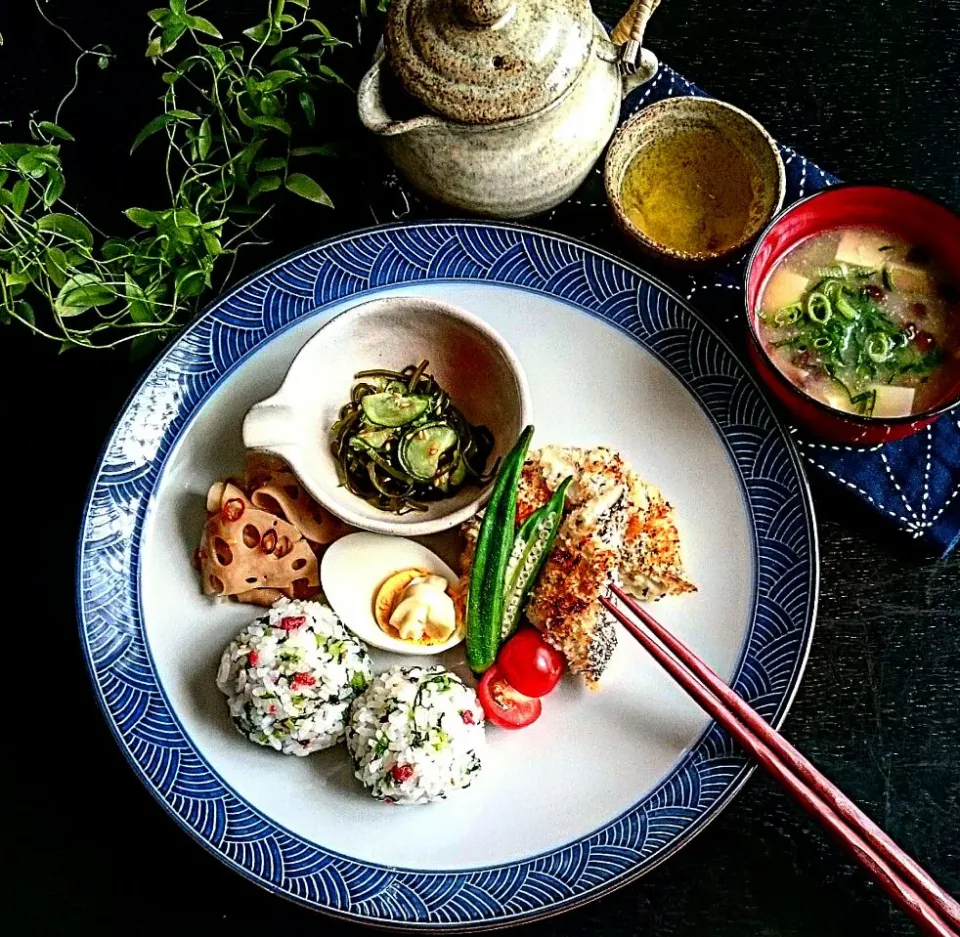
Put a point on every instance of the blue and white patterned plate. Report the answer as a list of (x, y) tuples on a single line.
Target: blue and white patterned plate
[(606, 784)]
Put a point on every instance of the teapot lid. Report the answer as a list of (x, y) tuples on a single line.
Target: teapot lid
[(483, 61)]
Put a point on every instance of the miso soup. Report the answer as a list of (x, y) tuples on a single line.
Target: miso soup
[(864, 322)]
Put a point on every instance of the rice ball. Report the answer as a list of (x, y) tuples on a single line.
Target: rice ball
[(416, 734), (291, 676)]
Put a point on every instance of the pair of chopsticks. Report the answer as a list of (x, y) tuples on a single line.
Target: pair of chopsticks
[(907, 884)]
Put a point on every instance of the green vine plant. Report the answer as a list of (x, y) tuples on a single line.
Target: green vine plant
[(233, 113)]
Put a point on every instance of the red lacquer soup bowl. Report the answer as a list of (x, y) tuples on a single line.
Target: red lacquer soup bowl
[(916, 219)]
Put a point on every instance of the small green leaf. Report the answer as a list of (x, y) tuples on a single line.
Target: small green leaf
[(178, 6), (270, 105), (171, 35), (31, 165), (54, 130), (202, 25), (158, 123), (68, 227), (55, 187), (21, 191), (321, 29), (116, 247), (264, 184), (103, 63), (24, 311), (246, 156), (277, 123), (308, 188), (17, 278), (141, 217), (144, 345), (154, 49), (140, 310), (280, 76), (271, 164), (326, 149), (260, 32), (10, 153), (212, 243), (190, 282), (204, 139), (159, 15), (49, 154), (328, 72), (216, 54), (283, 55), (184, 218), (309, 108), (81, 292), (56, 266)]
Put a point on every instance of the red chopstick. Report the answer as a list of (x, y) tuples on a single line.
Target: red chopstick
[(907, 883)]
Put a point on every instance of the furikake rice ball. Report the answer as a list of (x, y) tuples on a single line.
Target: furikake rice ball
[(291, 676), (415, 734)]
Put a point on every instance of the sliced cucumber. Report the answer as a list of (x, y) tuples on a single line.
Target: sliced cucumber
[(394, 409), (376, 437), (454, 477), (422, 448), (458, 473)]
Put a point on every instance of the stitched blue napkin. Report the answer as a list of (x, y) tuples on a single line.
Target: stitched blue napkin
[(913, 484)]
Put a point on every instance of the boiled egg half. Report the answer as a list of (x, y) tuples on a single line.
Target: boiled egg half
[(392, 593)]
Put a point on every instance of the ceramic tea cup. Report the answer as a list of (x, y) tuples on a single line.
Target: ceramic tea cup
[(744, 166)]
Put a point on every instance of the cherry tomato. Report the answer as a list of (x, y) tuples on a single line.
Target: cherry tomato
[(530, 665), (503, 705)]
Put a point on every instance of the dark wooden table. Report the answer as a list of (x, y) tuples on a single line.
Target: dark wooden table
[(870, 91)]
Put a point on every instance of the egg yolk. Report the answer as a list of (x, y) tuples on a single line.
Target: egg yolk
[(413, 605)]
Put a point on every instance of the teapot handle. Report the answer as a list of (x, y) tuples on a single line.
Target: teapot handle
[(636, 63), (634, 22), (373, 113)]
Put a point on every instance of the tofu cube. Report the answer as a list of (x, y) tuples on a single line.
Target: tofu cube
[(838, 399), (862, 248), (783, 288), (893, 401)]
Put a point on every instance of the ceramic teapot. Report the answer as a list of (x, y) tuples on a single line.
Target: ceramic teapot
[(500, 107)]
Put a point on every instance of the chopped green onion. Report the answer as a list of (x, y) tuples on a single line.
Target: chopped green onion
[(845, 308), (819, 308), (788, 315), (878, 347)]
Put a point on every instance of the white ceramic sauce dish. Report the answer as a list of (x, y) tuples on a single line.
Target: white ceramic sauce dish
[(467, 357)]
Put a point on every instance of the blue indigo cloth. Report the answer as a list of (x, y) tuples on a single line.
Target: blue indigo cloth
[(913, 484)]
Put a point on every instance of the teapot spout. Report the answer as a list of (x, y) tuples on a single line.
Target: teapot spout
[(373, 111)]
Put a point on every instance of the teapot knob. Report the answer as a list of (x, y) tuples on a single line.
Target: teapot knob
[(484, 12)]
